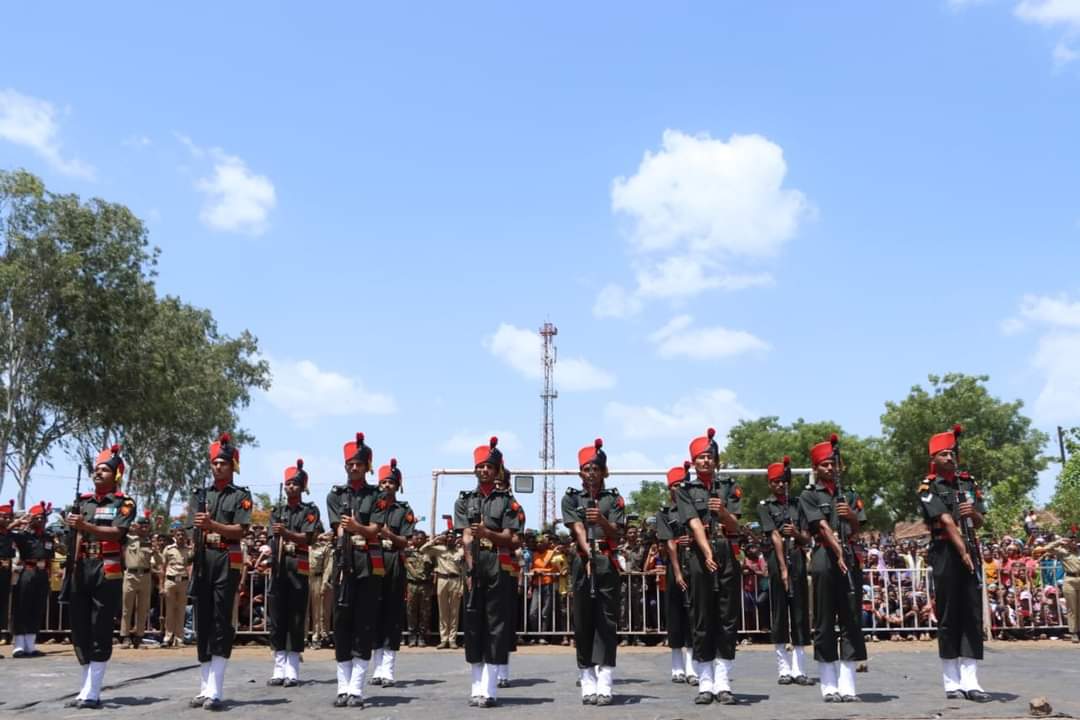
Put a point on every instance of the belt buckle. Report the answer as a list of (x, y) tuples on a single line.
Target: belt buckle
[(290, 548), (359, 541), (487, 544), (388, 544), (213, 538)]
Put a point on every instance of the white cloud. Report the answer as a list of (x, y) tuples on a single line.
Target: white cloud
[(1055, 312), (1063, 54), (237, 199), (1050, 12), (698, 210), (521, 350), (614, 301), (137, 141), (688, 417), (463, 442), (304, 392), (1056, 357), (31, 122), (703, 343)]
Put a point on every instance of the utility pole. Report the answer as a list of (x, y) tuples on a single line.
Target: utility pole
[(547, 444)]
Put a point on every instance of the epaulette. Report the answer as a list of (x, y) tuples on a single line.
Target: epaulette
[(572, 491), (338, 489), (465, 493), (242, 488)]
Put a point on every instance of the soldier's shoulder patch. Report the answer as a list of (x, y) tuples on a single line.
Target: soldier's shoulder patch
[(410, 518), (310, 517), (127, 508), (736, 491), (515, 506), (620, 502), (858, 504), (246, 503)]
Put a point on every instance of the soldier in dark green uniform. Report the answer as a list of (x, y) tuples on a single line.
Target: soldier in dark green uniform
[(7, 558), (222, 522), (93, 581), (293, 527), (489, 520), (710, 507), (673, 533), (30, 595), (358, 571), (836, 573), (596, 518), (948, 500), (511, 577), (788, 591), (394, 532)]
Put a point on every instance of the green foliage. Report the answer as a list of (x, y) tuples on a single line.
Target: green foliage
[(999, 447), (1066, 501), (90, 355), (646, 501), (264, 502), (757, 443)]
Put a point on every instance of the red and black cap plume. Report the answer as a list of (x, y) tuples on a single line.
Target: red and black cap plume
[(705, 443), (489, 454), (9, 508), (297, 473), (357, 451), (392, 472), (223, 449), (593, 455), (111, 458), (678, 474)]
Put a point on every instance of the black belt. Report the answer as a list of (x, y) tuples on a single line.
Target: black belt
[(418, 582), (136, 571), (176, 578), (446, 576)]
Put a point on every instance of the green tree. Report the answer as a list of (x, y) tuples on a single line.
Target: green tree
[(75, 279), (192, 384), (999, 447), (757, 443), (648, 499), (1066, 501)]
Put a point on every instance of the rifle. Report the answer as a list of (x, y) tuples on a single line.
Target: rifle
[(279, 556), (343, 559), (789, 541), (970, 539), (714, 529), (845, 546), (68, 587), (474, 517), (199, 560), (590, 529)]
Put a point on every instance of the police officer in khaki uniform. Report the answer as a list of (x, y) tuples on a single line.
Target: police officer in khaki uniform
[(176, 559), (91, 589), (317, 614), (138, 564), (419, 570), (948, 500), (449, 559)]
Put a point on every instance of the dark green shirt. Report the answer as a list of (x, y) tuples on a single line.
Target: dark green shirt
[(692, 499), (498, 510), (938, 496), (818, 503), (610, 504)]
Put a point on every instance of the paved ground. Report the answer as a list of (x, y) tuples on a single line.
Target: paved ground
[(903, 682)]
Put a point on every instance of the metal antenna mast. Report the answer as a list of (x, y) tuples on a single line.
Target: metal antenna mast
[(547, 444)]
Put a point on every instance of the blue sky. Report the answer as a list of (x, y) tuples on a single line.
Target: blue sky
[(728, 210)]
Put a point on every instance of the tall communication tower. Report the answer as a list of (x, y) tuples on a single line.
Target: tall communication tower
[(547, 444)]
